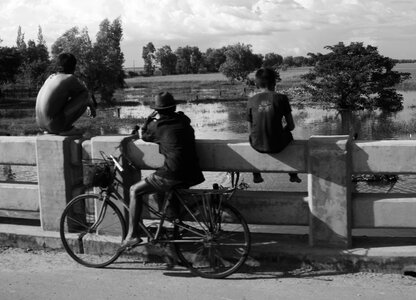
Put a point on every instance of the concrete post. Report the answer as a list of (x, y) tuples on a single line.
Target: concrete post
[(329, 188), (57, 176)]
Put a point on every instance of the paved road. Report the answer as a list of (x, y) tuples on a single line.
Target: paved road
[(27, 274)]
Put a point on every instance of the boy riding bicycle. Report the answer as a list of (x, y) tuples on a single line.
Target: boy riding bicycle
[(174, 134)]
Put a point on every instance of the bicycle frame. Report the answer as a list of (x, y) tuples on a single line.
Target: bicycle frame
[(112, 194), (208, 235)]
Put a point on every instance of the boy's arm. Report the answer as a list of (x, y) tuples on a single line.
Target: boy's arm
[(79, 89), (248, 118), (92, 106), (249, 127), (146, 133), (287, 112), (290, 124)]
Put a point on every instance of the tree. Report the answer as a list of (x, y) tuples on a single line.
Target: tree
[(214, 58), (34, 69), (299, 61), (166, 59), (196, 59), (313, 58), (288, 61), (41, 39), (355, 77), (10, 61), (99, 65), (189, 60), (240, 61), (20, 40), (258, 60), (107, 70), (79, 44), (34, 60), (148, 55), (272, 60)]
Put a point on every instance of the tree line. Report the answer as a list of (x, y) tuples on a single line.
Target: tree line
[(99, 63), (190, 60)]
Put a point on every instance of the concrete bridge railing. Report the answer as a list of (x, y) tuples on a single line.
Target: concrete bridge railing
[(329, 208)]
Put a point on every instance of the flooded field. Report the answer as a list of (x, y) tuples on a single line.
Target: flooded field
[(226, 120)]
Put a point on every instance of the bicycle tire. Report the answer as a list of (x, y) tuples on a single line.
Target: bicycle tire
[(218, 250), (90, 242)]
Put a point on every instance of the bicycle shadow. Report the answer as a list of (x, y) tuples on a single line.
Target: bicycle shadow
[(284, 269)]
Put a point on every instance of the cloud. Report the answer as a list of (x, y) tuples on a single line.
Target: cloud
[(269, 25)]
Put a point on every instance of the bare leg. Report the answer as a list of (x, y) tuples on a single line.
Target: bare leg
[(74, 109), (63, 122), (136, 192)]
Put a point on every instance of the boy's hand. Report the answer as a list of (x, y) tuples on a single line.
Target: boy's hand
[(91, 111), (135, 130)]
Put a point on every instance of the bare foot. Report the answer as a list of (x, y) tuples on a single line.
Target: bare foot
[(257, 178), (130, 243), (295, 178)]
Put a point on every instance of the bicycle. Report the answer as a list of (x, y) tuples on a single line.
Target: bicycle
[(209, 236)]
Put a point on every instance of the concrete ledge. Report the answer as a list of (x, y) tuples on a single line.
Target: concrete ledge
[(18, 150), (384, 156), (217, 155), (384, 210), (267, 250), (19, 196)]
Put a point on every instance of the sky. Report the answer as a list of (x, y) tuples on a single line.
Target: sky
[(286, 27)]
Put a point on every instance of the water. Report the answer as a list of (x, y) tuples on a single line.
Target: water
[(226, 120)]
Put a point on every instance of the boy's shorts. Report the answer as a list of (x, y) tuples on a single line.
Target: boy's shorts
[(163, 184)]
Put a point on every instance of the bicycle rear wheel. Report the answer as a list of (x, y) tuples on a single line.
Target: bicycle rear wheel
[(92, 230), (214, 239)]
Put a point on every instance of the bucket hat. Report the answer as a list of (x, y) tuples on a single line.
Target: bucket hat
[(164, 100)]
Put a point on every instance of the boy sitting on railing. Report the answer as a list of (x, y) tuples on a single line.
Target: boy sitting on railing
[(265, 112), (63, 99), (175, 136)]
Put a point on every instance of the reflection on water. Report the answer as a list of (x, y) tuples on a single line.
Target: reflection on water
[(226, 120), (221, 120), (11, 173)]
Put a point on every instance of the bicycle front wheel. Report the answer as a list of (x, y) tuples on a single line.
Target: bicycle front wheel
[(91, 230), (214, 240)]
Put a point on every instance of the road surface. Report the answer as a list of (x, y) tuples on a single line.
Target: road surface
[(34, 274)]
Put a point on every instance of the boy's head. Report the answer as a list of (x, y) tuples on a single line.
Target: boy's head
[(164, 103), (66, 63), (266, 78)]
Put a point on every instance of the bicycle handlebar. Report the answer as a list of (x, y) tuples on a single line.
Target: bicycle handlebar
[(116, 163)]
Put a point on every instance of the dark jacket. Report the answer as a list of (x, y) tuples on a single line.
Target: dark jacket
[(176, 140)]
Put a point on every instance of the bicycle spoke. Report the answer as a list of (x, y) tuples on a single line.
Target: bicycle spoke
[(93, 243), (218, 252)]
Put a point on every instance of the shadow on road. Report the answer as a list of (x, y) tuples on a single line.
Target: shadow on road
[(282, 270)]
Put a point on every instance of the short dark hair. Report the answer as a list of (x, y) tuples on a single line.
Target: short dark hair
[(266, 78), (66, 63)]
